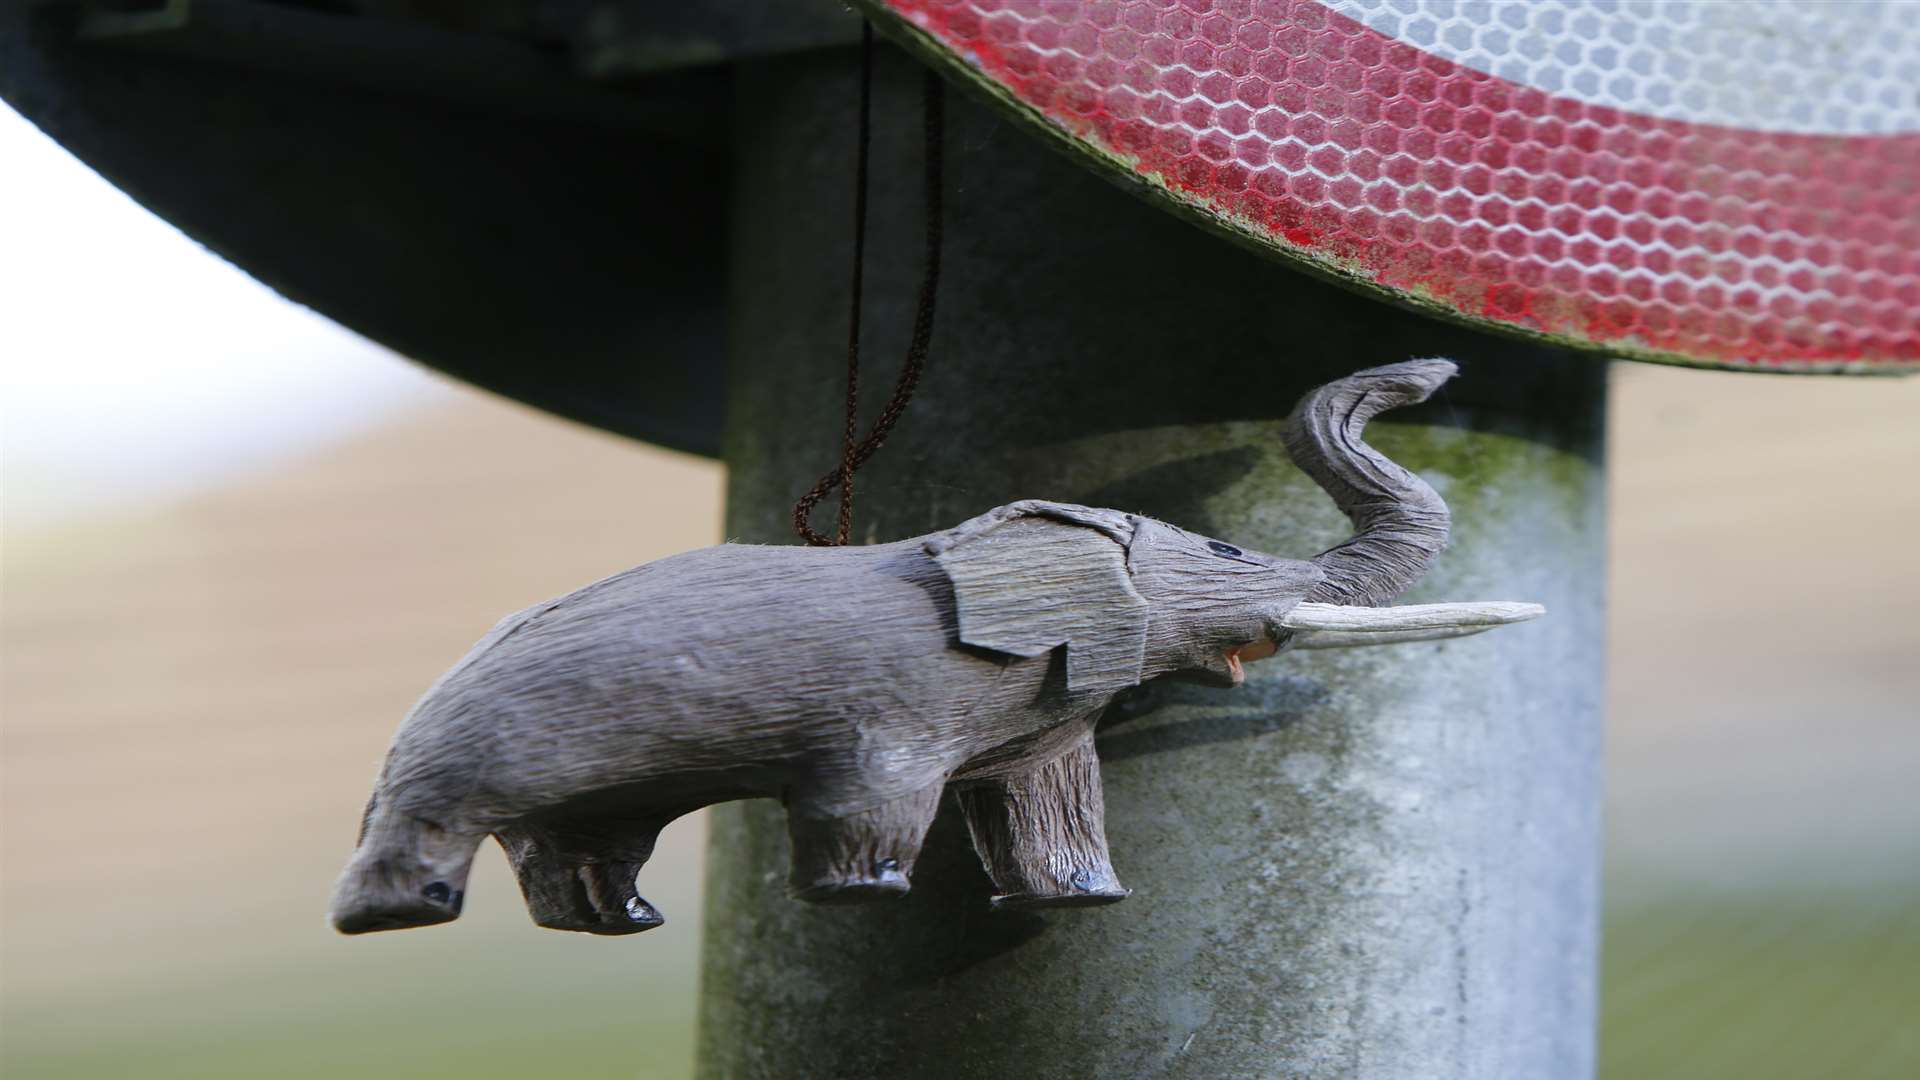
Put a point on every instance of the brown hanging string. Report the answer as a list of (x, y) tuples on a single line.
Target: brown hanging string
[(855, 453)]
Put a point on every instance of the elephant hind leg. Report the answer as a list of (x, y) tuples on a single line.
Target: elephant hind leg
[(583, 876), (405, 872), (862, 856), (1041, 833)]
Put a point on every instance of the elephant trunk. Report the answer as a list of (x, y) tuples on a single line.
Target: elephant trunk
[(1400, 522)]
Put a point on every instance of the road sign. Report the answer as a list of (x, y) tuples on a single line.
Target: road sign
[(1726, 184)]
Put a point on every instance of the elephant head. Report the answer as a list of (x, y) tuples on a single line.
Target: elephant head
[(1133, 598)]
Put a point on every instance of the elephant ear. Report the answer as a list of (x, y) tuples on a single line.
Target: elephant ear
[(1032, 576)]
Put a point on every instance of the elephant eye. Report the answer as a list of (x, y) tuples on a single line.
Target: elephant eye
[(1228, 550)]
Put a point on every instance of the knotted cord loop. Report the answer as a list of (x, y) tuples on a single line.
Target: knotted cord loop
[(854, 453)]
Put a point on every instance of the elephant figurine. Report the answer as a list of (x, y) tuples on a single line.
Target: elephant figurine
[(857, 684)]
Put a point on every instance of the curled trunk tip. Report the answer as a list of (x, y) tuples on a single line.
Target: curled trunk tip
[(1400, 523)]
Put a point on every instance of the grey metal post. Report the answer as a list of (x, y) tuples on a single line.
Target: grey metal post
[(1378, 863)]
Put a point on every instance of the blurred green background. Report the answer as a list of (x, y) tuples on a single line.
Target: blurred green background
[(238, 542)]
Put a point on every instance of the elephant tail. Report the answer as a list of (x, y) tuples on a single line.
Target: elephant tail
[(405, 872)]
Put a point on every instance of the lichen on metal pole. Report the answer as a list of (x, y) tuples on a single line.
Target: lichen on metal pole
[(1378, 862)]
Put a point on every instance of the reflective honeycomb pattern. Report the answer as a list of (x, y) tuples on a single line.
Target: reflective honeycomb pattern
[(1658, 237), (1819, 68)]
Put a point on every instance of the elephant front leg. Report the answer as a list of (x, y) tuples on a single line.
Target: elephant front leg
[(867, 855), (406, 871), (1041, 833), (584, 876)]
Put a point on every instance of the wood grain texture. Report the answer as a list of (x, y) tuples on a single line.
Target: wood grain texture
[(1399, 522), (1041, 834), (854, 684), (1337, 626), (1026, 587)]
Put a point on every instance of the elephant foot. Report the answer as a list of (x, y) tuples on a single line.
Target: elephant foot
[(886, 882), (634, 917), (406, 872), (593, 899), (604, 903), (1041, 834), (361, 916), (855, 858), (1079, 888), (568, 886), (1031, 901)]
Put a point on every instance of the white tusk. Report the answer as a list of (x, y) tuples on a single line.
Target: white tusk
[(1351, 639), (1339, 626)]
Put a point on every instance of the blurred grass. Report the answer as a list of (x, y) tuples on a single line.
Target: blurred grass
[(1762, 986), (1734, 985), (333, 1027), (505, 1015), (488, 996)]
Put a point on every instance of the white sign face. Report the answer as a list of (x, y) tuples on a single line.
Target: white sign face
[(1832, 68)]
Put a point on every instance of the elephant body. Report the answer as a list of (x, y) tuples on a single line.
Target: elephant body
[(833, 679), (855, 684), (680, 677)]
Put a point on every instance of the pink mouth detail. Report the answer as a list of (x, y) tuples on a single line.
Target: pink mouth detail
[(1252, 650)]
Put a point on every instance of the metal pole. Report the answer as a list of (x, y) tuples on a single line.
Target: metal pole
[(1378, 863)]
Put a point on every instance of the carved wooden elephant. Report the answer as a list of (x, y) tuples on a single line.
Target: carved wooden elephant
[(857, 684)]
